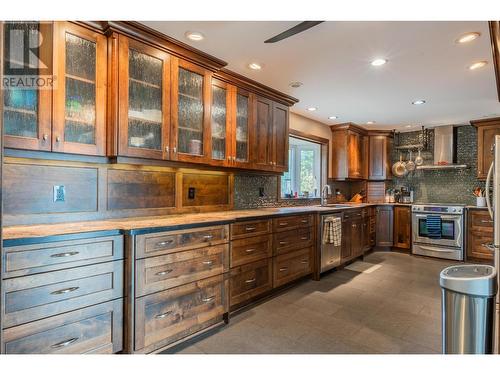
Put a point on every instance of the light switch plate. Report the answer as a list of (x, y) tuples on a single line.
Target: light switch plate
[(59, 193)]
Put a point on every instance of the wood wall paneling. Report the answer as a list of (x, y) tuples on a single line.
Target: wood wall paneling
[(134, 189), (209, 190), (375, 192), (29, 189)]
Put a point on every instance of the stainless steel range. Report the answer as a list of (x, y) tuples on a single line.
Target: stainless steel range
[(438, 230)]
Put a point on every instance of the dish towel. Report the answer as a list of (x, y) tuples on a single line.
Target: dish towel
[(332, 231), (433, 224)]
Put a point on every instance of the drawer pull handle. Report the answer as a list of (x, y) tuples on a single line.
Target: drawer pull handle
[(305, 221), (490, 246), (62, 344), (163, 315), (283, 242), (208, 299), (487, 221), (304, 238), (67, 290), (283, 269), (250, 281), (165, 243), (250, 250), (163, 273), (304, 261), (208, 262), (248, 229), (208, 237), (64, 255), (283, 224)]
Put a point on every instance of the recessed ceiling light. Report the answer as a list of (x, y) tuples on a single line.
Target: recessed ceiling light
[(296, 84), (312, 109), (408, 126), (418, 102), (469, 37), (195, 36), (370, 122), (255, 66), (332, 117), (478, 65), (378, 62)]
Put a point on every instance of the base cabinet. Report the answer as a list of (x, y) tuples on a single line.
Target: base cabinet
[(384, 225), (402, 227), (292, 266), (479, 235), (249, 281)]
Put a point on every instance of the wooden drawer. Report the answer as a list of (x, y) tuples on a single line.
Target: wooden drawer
[(250, 228), (30, 259), (249, 281), (285, 242), (475, 248), (292, 222), (289, 267), (168, 316), (170, 242), (480, 220), (352, 214), (92, 330), (167, 271), (39, 296), (251, 249)]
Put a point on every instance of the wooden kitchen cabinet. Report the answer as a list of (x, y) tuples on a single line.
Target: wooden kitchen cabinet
[(349, 152), (384, 225), (279, 148), (221, 152), (379, 158), (144, 100), (27, 113), (402, 227), (479, 234), (79, 99), (486, 131), (263, 134), (242, 115), (191, 92)]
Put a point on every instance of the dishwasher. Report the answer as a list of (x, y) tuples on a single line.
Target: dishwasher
[(330, 253)]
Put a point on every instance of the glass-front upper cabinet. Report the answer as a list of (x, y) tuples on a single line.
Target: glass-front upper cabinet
[(27, 109), (144, 100), (220, 122), (191, 119), (80, 68), (242, 127)]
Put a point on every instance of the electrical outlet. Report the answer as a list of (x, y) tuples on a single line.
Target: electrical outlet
[(191, 192), (59, 193), (261, 192)]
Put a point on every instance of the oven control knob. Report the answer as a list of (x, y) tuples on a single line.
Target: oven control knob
[(454, 210)]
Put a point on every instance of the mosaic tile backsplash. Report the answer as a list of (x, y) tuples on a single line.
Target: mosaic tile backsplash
[(443, 186)]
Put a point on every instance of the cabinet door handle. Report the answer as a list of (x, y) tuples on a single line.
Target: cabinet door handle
[(250, 250), (208, 299), (208, 237), (45, 137), (250, 280), (208, 262), (229, 158), (248, 229), (304, 261), (283, 269), (283, 242), (62, 344), (167, 149), (174, 150), (305, 221), (490, 246), (65, 255), (58, 139), (164, 243), (283, 224), (163, 315), (234, 158), (64, 291), (304, 238), (163, 273), (486, 221)]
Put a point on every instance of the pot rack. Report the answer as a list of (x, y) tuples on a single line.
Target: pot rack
[(422, 146)]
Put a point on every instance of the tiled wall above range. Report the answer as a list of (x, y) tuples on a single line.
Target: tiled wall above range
[(449, 186)]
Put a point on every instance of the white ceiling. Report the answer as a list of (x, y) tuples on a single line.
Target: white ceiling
[(332, 60)]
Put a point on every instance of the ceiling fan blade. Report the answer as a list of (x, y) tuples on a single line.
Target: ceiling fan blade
[(303, 26)]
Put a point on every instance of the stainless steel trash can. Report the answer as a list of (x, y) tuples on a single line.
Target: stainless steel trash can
[(467, 306)]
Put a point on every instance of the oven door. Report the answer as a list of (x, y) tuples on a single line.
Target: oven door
[(451, 230)]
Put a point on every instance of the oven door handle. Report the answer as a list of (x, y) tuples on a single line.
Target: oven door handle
[(437, 250), (446, 217)]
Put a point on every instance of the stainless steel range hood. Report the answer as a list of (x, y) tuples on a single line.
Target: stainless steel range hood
[(445, 150)]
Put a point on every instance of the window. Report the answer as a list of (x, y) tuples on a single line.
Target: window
[(306, 168)]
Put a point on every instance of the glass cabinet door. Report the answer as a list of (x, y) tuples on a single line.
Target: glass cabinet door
[(242, 127), (80, 98), (219, 121), (26, 111), (144, 95), (190, 117)]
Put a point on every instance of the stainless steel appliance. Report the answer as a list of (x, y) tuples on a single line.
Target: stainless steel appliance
[(449, 243), (330, 254), (493, 180)]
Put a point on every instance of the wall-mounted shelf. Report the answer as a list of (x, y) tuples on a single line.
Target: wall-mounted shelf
[(442, 167)]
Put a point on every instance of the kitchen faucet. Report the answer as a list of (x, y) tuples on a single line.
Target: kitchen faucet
[(324, 194)]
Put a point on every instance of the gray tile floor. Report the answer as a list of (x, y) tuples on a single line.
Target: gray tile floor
[(394, 309)]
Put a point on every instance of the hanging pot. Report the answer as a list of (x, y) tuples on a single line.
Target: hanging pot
[(399, 168), (410, 165), (419, 160)]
